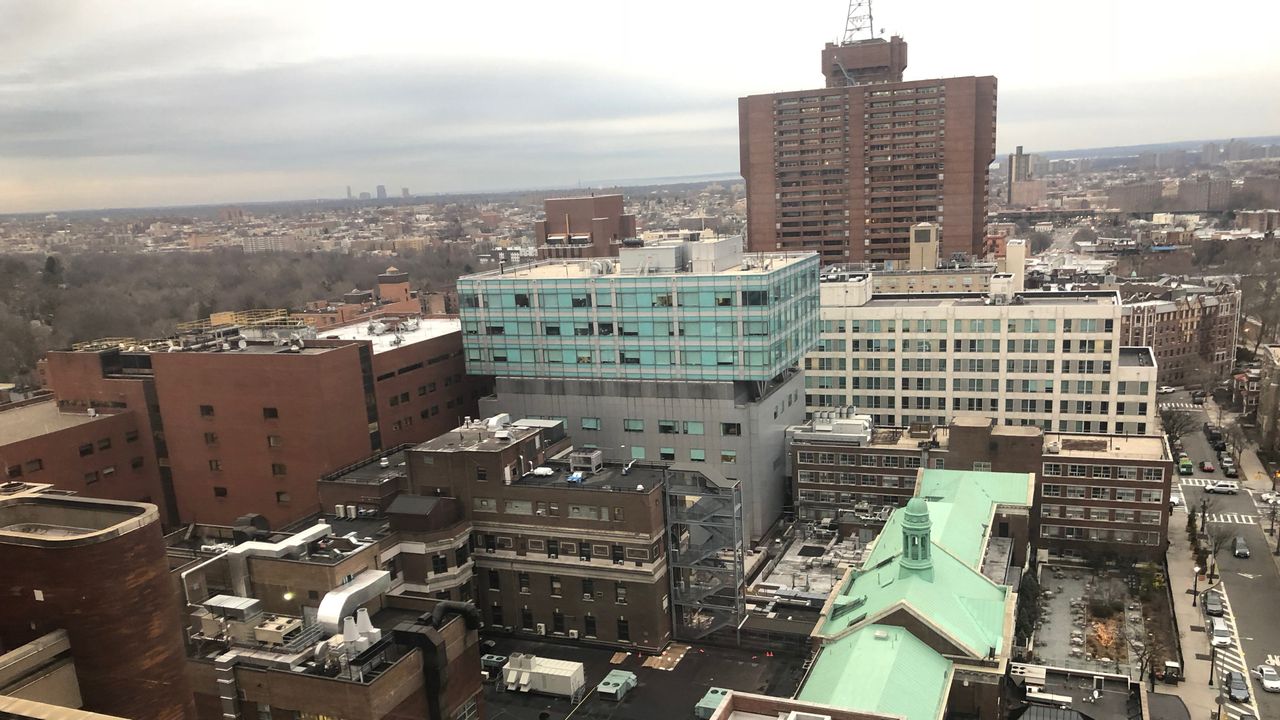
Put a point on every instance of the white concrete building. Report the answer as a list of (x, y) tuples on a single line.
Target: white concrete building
[(1050, 359)]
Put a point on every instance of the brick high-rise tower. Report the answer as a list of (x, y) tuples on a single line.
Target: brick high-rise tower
[(847, 170)]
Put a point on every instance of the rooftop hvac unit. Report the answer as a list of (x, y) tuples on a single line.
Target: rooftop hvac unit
[(573, 634), (340, 510), (1055, 448), (542, 628)]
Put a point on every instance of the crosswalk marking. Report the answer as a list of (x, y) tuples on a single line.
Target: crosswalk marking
[(1195, 481), (1233, 518), (1180, 406)]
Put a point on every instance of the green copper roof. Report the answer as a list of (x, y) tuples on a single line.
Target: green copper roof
[(944, 588), (881, 669)]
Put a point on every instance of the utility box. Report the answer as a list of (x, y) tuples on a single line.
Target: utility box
[(529, 673), (616, 685), (710, 702)]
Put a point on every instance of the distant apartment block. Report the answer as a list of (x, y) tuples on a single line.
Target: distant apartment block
[(393, 296), (1191, 329), (678, 352), (846, 170), (1096, 494), (583, 227), (1050, 359)]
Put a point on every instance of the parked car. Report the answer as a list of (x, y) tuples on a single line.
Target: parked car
[(1237, 686), (1206, 466), (1213, 605), (1165, 390), (1197, 397), (1231, 471), (1267, 677), (1218, 444), (1219, 633), (1222, 487)]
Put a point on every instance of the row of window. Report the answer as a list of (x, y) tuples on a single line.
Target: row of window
[(584, 550), (220, 491), (988, 325), (268, 413), (1098, 492), (655, 358), (558, 626), (109, 471), (626, 298), (277, 469), (637, 328), (1069, 532), (1100, 514), (555, 585), (807, 457), (1105, 472)]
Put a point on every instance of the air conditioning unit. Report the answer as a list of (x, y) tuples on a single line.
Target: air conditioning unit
[(542, 628), (573, 634)]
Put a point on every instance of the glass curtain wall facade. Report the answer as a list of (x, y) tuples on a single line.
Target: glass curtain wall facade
[(744, 324)]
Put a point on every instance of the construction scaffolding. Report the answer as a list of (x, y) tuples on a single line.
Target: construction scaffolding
[(704, 524)]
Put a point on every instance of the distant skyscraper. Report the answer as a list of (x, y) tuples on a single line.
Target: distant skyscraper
[(348, 192), (1018, 168), (847, 170), (404, 192), (364, 196), (382, 192)]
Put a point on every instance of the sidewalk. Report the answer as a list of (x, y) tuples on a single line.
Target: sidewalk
[(1201, 699)]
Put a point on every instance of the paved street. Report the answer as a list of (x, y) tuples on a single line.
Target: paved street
[(1251, 585)]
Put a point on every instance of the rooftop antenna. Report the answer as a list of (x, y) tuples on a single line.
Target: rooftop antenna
[(858, 19)]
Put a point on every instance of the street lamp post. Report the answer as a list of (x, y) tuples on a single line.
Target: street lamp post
[(1195, 585)]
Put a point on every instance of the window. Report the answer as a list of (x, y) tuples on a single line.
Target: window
[(728, 456), (731, 429), (495, 580), (522, 580), (693, 427), (439, 564), (282, 497), (104, 444), (632, 425), (33, 465), (620, 593), (86, 449), (556, 587), (14, 471), (206, 411), (588, 589), (108, 471), (979, 466), (91, 477), (637, 452), (589, 625), (273, 441), (666, 453), (219, 491), (270, 413), (210, 438), (624, 630), (668, 427), (277, 469), (590, 423), (131, 436), (215, 465)]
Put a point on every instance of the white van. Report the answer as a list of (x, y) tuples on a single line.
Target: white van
[(1219, 633)]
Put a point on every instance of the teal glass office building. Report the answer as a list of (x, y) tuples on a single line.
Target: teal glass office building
[(605, 320)]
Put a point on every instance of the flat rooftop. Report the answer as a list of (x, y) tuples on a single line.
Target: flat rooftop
[(1036, 299), (28, 421), (371, 471), (570, 269), (1136, 357), (672, 692), (29, 517), (478, 437), (816, 431), (640, 478), (1135, 447), (384, 337)]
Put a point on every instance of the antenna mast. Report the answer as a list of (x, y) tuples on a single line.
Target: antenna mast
[(858, 19)]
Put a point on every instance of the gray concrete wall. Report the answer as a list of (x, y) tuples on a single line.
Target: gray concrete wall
[(760, 465)]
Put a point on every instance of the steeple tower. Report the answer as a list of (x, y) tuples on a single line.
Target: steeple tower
[(917, 546)]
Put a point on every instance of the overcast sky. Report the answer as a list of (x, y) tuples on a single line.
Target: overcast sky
[(110, 104)]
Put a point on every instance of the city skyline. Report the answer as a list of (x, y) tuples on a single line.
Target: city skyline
[(171, 104)]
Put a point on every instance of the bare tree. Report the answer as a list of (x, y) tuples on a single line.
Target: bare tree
[(1176, 423), (1219, 537)]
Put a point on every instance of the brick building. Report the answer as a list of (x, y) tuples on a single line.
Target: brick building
[(87, 589), (1094, 493), (1191, 329), (393, 296), (228, 423), (846, 170), (583, 227)]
